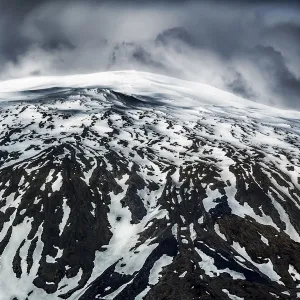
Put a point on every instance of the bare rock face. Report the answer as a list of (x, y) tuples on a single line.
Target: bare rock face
[(106, 195)]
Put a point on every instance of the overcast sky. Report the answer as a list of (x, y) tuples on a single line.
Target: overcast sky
[(251, 48)]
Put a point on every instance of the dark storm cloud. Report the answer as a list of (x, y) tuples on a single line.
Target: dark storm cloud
[(251, 48)]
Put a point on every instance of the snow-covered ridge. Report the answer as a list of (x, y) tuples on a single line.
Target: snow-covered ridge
[(174, 92), (140, 83)]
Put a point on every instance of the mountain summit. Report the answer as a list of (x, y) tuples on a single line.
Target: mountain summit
[(129, 185)]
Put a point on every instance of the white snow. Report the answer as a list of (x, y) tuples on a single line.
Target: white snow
[(183, 274), (56, 185), (266, 268), (231, 296), (207, 264), (266, 241), (158, 267), (294, 274)]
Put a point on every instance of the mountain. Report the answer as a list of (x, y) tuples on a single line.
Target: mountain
[(128, 185)]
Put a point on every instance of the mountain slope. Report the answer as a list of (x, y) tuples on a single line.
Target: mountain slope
[(129, 185)]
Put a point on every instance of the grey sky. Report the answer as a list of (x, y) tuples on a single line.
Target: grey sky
[(251, 48)]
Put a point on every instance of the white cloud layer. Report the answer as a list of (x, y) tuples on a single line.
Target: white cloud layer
[(250, 49)]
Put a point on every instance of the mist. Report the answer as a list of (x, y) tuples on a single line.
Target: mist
[(250, 49)]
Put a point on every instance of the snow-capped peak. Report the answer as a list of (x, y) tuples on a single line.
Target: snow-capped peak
[(129, 185)]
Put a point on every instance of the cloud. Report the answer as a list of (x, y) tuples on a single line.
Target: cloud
[(250, 48)]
